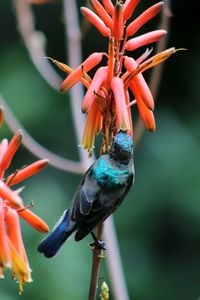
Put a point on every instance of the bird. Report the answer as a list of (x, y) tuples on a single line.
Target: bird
[(100, 192)]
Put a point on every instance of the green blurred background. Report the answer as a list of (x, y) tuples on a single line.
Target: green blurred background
[(159, 223)]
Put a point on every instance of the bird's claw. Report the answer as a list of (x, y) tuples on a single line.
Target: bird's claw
[(98, 244)]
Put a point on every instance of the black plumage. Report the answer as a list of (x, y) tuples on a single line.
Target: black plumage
[(101, 191)]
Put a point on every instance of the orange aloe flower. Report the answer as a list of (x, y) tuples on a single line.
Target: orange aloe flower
[(108, 100), (12, 251)]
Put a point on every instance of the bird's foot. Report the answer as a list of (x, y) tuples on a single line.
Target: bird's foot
[(97, 243)]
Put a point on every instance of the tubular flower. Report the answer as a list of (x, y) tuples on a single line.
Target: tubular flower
[(108, 98), (12, 251)]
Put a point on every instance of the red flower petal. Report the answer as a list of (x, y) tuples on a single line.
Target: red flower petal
[(99, 78), (129, 7), (118, 22), (35, 221), (120, 103), (145, 113), (12, 197), (108, 6), (27, 172), (144, 39), (101, 13), (5, 256), (142, 86), (96, 21), (11, 149), (147, 15), (14, 233), (93, 60)]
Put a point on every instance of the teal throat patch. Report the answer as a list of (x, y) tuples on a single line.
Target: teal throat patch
[(107, 176)]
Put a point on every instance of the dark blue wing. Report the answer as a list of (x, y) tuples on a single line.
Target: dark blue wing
[(84, 197), (105, 204)]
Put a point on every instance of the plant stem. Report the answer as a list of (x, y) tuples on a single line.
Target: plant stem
[(117, 279), (97, 256)]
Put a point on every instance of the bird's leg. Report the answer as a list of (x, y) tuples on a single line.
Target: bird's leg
[(97, 243)]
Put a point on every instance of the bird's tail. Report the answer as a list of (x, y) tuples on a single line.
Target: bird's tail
[(52, 243)]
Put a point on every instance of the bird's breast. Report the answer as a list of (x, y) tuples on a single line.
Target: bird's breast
[(109, 176)]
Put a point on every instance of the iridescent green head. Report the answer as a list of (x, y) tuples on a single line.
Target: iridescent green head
[(122, 147)]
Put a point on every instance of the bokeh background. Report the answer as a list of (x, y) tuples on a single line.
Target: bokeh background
[(158, 225)]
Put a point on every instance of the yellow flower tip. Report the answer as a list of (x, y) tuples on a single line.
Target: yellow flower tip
[(21, 271)]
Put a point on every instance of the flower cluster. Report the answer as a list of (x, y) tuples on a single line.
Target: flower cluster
[(12, 251), (107, 100)]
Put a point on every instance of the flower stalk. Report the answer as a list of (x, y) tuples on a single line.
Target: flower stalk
[(113, 84)]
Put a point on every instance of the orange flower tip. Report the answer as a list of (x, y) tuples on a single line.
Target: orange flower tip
[(44, 229), (18, 136), (32, 219), (41, 164), (152, 127)]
